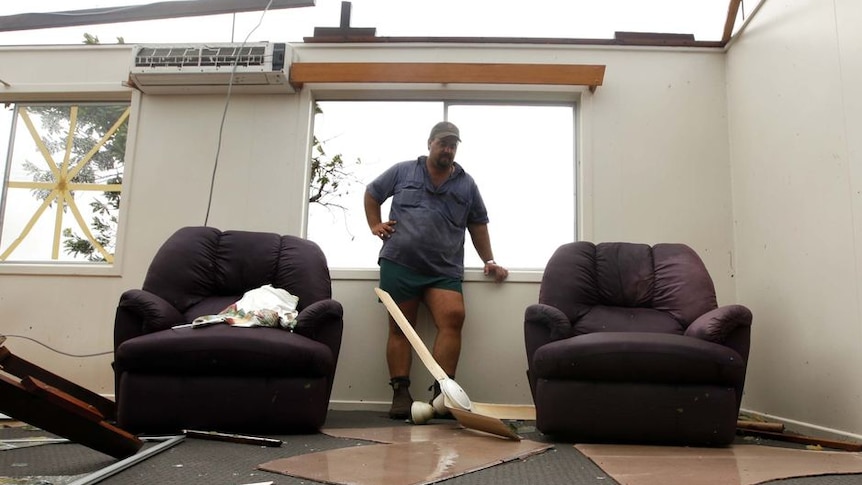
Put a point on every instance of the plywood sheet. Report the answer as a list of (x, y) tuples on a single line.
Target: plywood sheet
[(400, 434), (734, 465), (410, 463)]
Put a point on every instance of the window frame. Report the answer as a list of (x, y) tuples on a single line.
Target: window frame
[(577, 96), (82, 268)]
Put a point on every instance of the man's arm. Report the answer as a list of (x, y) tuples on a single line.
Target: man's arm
[(482, 242), (372, 214)]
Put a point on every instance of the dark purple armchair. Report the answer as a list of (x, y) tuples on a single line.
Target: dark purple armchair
[(627, 344), (224, 378)]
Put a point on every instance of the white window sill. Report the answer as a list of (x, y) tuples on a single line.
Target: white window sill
[(59, 269), (470, 275)]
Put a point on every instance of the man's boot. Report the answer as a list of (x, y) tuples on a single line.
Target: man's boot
[(401, 398)]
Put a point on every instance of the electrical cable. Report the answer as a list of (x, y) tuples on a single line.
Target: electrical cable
[(212, 181), (224, 113), (59, 351)]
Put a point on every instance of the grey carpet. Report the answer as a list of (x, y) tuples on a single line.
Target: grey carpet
[(206, 462)]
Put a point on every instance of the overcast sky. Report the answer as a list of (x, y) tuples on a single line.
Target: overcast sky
[(469, 18), (479, 18)]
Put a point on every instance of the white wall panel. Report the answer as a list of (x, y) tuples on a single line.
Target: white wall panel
[(792, 80), (653, 167)]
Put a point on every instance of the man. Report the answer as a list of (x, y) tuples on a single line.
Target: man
[(434, 203)]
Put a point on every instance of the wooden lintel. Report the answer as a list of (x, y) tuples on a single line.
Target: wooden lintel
[(446, 73)]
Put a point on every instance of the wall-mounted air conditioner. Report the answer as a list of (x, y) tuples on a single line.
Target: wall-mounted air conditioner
[(210, 68)]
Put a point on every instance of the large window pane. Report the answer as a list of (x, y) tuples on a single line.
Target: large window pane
[(62, 183), (522, 160), (520, 155), (377, 135)]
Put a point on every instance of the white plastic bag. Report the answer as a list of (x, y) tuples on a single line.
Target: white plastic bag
[(261, 307)]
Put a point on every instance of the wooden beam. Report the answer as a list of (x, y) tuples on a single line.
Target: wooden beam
[(344, 32), (80, 426), (445, 73), (152, 11), (653, 38), (805, 440), (20, 368), (732, 10)]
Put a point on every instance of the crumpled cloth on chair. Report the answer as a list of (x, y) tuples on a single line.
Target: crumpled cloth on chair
[(261, 307)]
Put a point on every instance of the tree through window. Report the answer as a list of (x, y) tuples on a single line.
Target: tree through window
[(63, 182)]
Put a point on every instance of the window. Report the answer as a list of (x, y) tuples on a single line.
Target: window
[(521, 156), (62, 183)]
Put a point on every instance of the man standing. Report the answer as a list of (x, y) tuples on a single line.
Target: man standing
[(434, 203)]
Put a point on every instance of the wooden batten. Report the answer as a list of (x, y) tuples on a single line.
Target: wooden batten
[(446, 73)]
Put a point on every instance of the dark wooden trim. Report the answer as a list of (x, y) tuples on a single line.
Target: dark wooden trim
[(359, 36), (805, 440), (132, 13), (64, 420), (445, 73), (21, 368), (732, 11)]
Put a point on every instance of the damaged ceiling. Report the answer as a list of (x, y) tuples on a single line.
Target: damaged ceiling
[(707, 23)]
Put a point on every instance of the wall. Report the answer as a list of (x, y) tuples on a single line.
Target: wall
[(796, 133), (653, 166)]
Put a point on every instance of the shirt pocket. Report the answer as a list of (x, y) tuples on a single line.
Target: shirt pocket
[(409, 195), (456, 209)]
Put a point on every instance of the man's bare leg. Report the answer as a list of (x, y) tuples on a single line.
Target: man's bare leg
[(399, 356), (399, 353), (447, 310)]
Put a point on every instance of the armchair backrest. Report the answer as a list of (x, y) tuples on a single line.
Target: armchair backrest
[(200, 264), (627, 286)]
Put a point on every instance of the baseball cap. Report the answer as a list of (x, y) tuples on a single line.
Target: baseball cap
[(444, 129)]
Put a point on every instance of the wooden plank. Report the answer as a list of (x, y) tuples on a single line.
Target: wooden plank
[(61, 399), (732, 10), (523, 412), (21, 404), (760, 426), (445, 73), (805, 440), (21, 368), (414, 339), (483, 423)]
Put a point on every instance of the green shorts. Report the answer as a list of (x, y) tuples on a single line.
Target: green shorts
[(403, 284)]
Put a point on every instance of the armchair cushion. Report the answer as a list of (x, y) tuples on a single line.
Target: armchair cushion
[(225, 350), (603, 318), (639, 357)]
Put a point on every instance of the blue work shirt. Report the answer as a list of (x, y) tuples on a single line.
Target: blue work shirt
[(431, 221)]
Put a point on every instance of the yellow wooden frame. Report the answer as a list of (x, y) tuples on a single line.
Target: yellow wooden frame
[(61, 187)]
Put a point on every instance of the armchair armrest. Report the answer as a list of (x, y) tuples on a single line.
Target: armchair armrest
[(718, 325), (322, 321), (140, 312), (543, 324)]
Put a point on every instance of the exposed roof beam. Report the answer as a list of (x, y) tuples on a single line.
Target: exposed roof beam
[(732, 10), (132, 13)]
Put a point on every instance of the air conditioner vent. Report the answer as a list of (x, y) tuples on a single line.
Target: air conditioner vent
[(208, 68)]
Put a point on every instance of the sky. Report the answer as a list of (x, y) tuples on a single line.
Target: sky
[(476, 18), (536, 18)]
